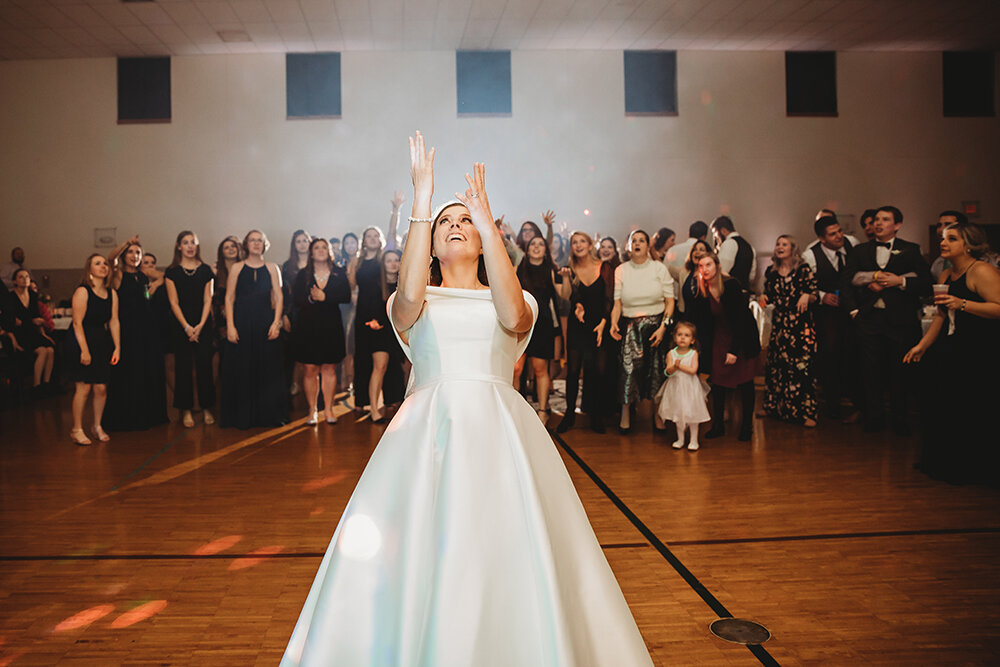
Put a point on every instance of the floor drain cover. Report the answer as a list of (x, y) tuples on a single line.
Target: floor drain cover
[(740, 631)]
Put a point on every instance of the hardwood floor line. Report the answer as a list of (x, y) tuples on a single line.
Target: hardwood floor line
[(713, 602), (221, 556), (838, 536)]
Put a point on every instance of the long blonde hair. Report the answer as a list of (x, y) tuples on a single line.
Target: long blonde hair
[(575, 263), (794, 257)]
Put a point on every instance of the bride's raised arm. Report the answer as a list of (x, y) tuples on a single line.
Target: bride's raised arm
[(415, 267), (508, 299)]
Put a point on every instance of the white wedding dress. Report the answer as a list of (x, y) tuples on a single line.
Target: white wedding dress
[(465, 543)]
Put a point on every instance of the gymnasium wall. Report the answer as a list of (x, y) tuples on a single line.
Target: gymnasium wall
[(230, 161)]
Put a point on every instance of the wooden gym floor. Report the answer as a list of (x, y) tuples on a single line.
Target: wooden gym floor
[(197, 546)]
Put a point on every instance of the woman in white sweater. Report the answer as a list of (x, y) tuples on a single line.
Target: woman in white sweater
[(643, 310)]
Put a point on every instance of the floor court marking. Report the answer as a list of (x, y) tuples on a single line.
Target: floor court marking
[(219, 556), (841, 536), (759, 652)]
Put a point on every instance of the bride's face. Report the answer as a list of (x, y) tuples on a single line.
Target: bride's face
[(455, 237)]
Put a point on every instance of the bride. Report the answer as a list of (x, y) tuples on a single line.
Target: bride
[(464, 543)]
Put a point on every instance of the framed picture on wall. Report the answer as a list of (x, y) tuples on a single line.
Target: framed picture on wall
[(105, 237)]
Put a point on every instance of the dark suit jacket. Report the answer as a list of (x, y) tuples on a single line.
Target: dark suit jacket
[(901, 316)]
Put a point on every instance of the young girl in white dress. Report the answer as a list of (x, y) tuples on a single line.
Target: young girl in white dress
[(464, 543), (682, 397)]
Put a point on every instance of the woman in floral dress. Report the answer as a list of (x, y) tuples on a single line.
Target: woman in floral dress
[(790, 286)]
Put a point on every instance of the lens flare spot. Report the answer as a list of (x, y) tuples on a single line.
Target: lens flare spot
[(140, 613), (586, 211), (361, 538), (316, 512), (84, 618), (215, 546), (255, 557), (323, 482)]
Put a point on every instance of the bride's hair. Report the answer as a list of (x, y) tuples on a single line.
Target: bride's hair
[(435, 276)]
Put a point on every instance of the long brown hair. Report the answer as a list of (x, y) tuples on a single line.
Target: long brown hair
[(383, 277), (221, 270), (361, 244), (435, 278), (293, 256), (311, 264), (177, 247)]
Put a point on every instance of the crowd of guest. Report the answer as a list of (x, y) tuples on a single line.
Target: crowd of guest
[(852, 323)]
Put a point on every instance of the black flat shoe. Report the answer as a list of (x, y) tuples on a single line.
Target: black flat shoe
[(624, 430), (715, 432), (566, 423)]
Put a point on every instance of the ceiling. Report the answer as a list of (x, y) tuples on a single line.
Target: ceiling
[(38, 29)]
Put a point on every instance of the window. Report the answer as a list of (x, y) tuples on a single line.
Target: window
[(969, 79), (811, 83), (312, 85), (483, 82), (650, 83), (143, 90)]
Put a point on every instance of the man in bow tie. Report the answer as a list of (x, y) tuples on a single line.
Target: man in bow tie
[(836, 353), (882, 285)]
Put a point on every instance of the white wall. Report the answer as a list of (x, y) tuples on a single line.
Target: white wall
[(230, 161)]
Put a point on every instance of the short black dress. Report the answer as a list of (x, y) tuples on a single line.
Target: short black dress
[(318, 333), (28, 334), (367, 341), (98, 337), (537, 280), (254, 391), (137, 394)]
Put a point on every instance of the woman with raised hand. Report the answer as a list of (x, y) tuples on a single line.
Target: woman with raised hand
[(137, 394), (254, 391), (95, 345), (318, 336), (464, 542), (189, 290)]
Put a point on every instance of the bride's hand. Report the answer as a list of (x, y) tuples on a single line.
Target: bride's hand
[(475, 199), (421, 169)]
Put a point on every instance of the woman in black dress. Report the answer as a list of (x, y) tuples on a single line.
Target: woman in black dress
[(230, 251), (689, 276), (790, 384), (729, 340), (374, 342), (162, 315), (318, 335), (958, 415), (137, 393), (28, 329), (94, 346), (537, 274), (254, 392), (298, 256), (590, 290), (348, 251), (189, 290)]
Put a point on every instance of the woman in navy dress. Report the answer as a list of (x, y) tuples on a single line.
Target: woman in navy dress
[(318, 335), (137, 395), (254, 392), (95, 345)]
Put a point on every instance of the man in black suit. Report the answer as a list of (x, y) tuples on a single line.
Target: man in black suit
[(836, 353), (882, 285)]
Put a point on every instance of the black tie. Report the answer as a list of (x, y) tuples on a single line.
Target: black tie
[(840, 262), (887, 246)]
